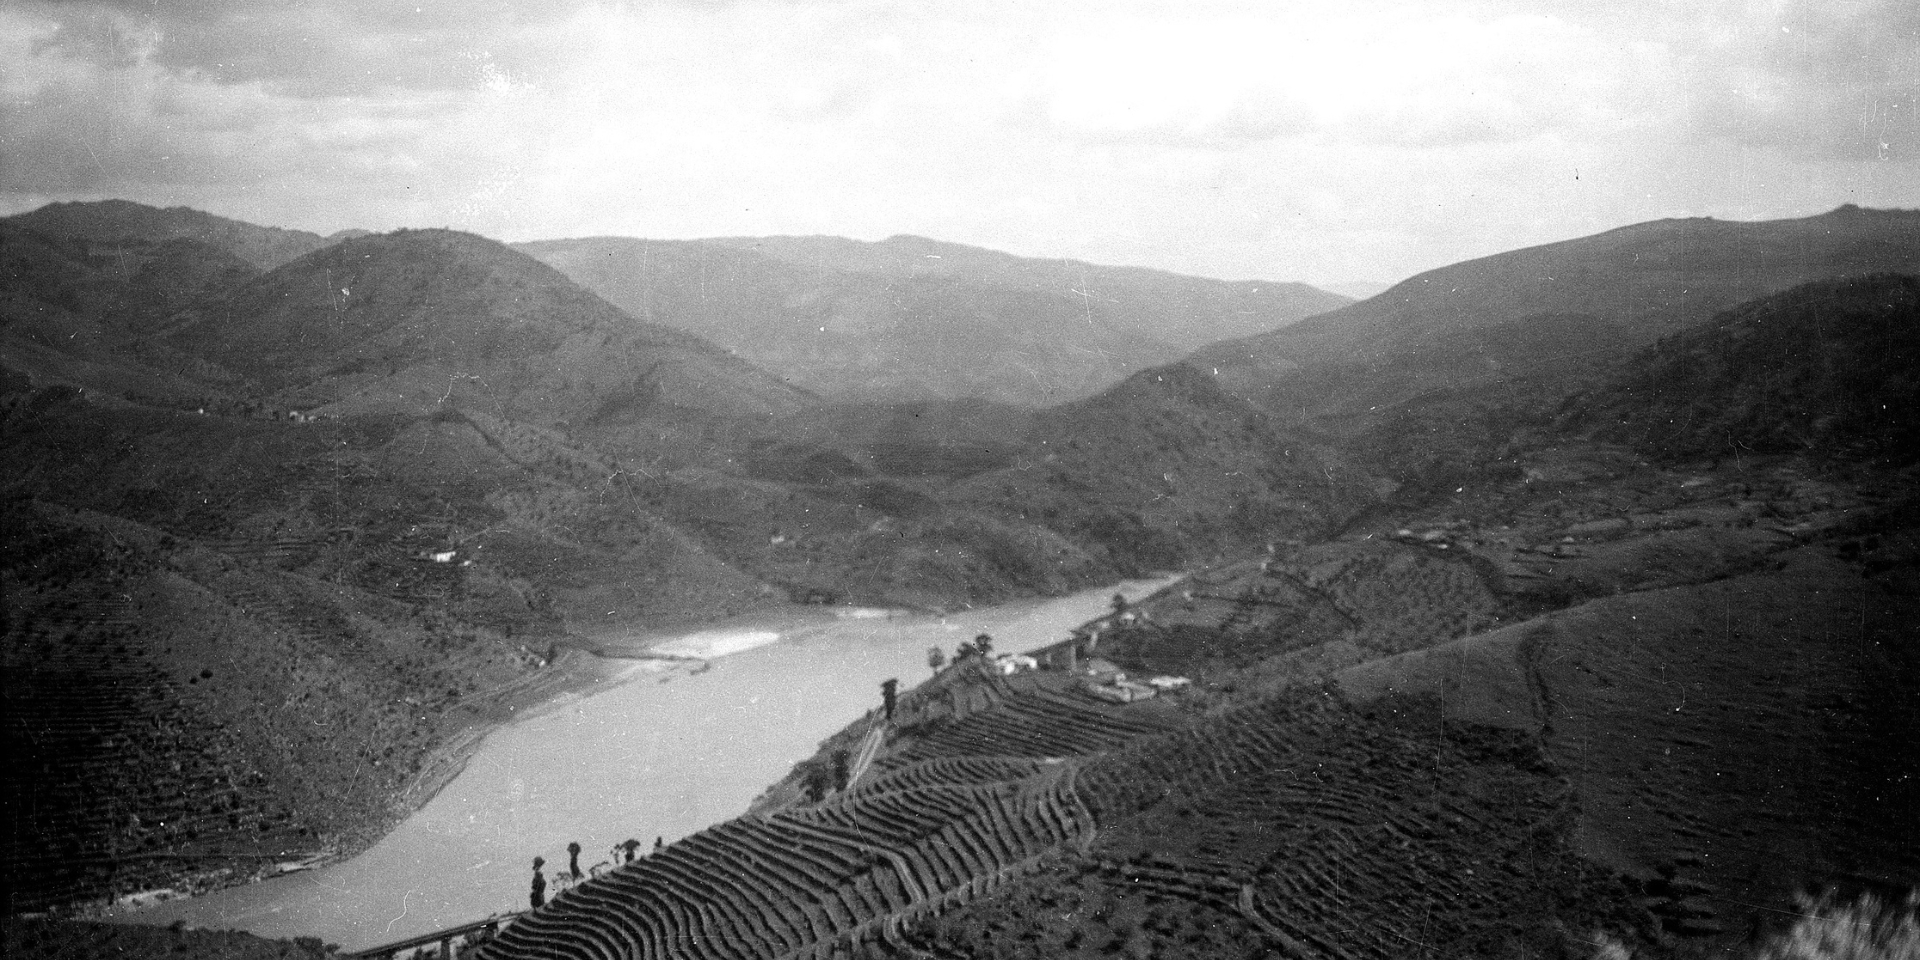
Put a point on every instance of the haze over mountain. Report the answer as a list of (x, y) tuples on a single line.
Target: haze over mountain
[(911, 319), (1357, 289)]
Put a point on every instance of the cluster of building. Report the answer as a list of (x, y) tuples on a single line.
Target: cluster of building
[(1108, 682), (1100, 677)]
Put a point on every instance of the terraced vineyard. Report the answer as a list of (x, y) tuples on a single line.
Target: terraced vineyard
[(1352, 831), (115, 783), (1329, 831), (809, 881), (183, 719), (973, 789), (1292, 814), (1379, 598), (1034, 715)]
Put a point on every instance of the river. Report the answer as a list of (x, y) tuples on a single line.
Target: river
[(667, 752)]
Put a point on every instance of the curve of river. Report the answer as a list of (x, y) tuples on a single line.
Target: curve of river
[(668, 752)]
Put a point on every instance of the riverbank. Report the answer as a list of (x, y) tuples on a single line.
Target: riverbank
[(659, 746), (584, 665), (466, 724)]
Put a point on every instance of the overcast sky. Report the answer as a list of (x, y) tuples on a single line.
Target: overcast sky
[(1279, 140)]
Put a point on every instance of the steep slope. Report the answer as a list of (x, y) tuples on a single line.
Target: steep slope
[(73, 313), (125, 222), (1729, 722), (911, 318), (412, 319), (1754, 733), (1166, 469), (1825, 367), (45, 269), (1550, 311), (128, 282), (173, 275), (226, 646)]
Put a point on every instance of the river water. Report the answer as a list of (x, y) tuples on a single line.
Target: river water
[(667, 752)]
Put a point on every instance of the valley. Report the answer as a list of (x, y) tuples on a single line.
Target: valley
[(1516, 617)]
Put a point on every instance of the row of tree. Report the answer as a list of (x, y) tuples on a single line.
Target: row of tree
[(982, 646)]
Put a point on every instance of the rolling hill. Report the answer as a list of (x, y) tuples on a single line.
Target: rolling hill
[(1549, 313), (73, 313), (114, 223), (915, 319), (409, 320), (1167, 469)]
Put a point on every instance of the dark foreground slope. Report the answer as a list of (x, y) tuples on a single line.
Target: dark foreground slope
[(56, 940), (911, 319)]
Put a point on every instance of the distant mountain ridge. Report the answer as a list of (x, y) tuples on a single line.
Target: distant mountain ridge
[(415, 318), (910, 318)]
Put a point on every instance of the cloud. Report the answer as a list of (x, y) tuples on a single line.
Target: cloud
[(1233, 137), (313, 49), (1390, 76), (1829, 81), (73, 126)]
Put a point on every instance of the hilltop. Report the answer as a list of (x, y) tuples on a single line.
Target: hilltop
[(122, 223), (412, 319), (1166, 469), (913, 319), (1547, 315)]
